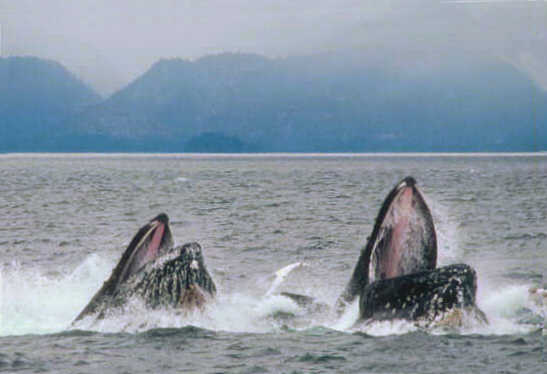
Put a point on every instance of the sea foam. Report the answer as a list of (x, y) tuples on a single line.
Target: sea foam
[(32, 302)]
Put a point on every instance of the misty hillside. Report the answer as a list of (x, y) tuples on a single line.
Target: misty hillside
[(247, 103), (36, 98), (321, 103)]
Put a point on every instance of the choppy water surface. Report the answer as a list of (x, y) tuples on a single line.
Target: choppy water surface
[(66, 219)]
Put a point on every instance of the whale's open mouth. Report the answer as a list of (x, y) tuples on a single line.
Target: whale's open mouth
[(148, 244), (403, 239), (151, 241)]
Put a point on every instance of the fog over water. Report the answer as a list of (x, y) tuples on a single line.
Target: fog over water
[(108, 44)]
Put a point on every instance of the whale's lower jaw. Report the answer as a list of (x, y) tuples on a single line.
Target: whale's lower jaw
[(426, 295)]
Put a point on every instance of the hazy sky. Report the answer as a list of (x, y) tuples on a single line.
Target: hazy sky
[(107, 43)]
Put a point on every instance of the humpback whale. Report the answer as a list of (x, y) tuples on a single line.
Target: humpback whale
[(152, 269), (396, 274)]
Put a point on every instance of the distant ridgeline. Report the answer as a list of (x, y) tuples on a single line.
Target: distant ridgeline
[(36, 98), (247, 103)]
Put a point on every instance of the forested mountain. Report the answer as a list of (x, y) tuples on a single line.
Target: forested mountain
[(36, 99), (322, 103)]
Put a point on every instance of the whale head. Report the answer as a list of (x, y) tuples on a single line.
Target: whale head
[(160, 274), (151, 241), (403, 241)]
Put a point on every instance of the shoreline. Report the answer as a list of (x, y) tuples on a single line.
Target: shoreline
[(266, 155)]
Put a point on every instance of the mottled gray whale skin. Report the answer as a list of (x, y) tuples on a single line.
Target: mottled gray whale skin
[(156, 272), (424, 295), (396, 276)]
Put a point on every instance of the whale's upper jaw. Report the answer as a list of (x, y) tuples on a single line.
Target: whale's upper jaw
[(403, 240), (191, 255), (150, 242), (199, 284), (426, 296), (178, 279)]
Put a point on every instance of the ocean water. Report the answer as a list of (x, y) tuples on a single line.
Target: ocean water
[(267, 223)]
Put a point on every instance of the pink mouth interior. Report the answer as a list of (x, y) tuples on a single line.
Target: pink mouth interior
[(399, 215), (145, 255), (154, 246)]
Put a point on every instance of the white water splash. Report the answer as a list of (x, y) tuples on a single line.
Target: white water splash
[(384, 328), (34, 303), (447, 233), (501, 305), (236, 312)]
